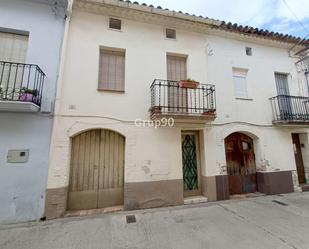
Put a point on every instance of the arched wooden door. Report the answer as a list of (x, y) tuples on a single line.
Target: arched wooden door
[(240, 162), (97, 170)]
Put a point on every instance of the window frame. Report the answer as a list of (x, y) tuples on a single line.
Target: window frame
[(114, 29), (111, 50), (168, 38), (243, 74), (249, 51)]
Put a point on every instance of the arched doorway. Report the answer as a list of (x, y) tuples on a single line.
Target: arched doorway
[(97, 170), (240, 160)]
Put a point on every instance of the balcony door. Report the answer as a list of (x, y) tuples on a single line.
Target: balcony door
[(177, 97), (284, 101), (13, 48)]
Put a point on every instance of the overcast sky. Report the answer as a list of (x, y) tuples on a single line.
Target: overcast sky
[(276, 15)]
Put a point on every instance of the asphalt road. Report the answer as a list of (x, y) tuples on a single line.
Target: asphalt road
[(250, 223)]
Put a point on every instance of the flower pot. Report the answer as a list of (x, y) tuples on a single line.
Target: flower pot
[(188, 84), (209, 113), (156, 110), (26, 97)]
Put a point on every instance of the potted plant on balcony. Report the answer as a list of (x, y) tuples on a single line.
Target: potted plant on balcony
[(155, 110), (28, 95), (188, 83), (210, 112)]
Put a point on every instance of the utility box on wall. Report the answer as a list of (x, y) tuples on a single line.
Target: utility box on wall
[(18, 156)]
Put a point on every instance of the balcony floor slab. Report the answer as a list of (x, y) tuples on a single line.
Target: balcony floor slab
[(18, 106)]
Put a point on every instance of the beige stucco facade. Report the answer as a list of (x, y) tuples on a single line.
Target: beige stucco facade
[(154, 155)]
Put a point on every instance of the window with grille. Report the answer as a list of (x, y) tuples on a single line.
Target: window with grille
[(114, 23), (111, 70), (170, 33)]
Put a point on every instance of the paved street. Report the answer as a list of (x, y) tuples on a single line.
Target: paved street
[(250, 223)]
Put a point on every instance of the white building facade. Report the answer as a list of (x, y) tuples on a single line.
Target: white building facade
[(31, 34), (126, 64)]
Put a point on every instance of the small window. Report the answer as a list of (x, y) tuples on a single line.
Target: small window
[(240, 83), (114, 23), (111, 70), (170, 33), (248, 51), (246, 145)]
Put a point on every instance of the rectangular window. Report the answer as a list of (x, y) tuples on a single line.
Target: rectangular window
[(170, 33), (13, 47), (112, 70), (240, 83), (114, 23), (248, 51), (282, 84)]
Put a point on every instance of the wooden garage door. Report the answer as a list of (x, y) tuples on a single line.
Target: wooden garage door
[(97, 170)]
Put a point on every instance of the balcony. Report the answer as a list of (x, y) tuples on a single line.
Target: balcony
[(184, 103), (290, 109), (21, 87)]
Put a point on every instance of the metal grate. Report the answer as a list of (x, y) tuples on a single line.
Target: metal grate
[(280, 203), (131, 219), (189, 162)]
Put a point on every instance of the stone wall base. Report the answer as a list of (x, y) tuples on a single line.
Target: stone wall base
[(55, 202), (272, 183), (152, 194), (216, 188)]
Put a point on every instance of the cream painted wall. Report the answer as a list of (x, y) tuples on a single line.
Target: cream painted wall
[(155, 154), (150, 154)]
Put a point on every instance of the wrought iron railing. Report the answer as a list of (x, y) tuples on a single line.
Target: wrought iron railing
[(21, 82), (288, 108), (169, 97)]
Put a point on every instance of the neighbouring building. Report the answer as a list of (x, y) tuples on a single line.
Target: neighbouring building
[(31, 34), (243, 128)]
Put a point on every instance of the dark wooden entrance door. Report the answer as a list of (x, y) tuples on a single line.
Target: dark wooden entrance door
[(240, 161), (298, 159)]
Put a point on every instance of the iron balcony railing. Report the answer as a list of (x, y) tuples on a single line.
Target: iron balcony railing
[(290, 108), (21, 82), (169, 97)]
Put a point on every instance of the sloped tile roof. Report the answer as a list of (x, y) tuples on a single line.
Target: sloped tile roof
[(232, 27)]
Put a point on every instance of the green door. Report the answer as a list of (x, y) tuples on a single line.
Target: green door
[(190, 164)]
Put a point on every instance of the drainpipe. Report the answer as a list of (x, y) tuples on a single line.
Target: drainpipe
[(307, 80), (59, 86)]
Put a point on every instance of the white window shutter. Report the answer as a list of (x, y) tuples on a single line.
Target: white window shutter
[(112, 70), (240, 86), (13, 47)]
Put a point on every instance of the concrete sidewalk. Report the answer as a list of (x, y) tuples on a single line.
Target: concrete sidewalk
[(250, 223)]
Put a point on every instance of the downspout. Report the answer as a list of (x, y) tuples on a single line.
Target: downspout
[(59, 87), (307, 80), (68, 15)]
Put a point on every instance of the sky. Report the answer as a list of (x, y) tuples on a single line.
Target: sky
[(284, 16)]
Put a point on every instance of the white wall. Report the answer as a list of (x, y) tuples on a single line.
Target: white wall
[(81, 105), (22, 186)]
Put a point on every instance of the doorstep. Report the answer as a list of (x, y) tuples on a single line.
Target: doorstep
[(195, 200), (304, 187), (244, 196), (78, 213)]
